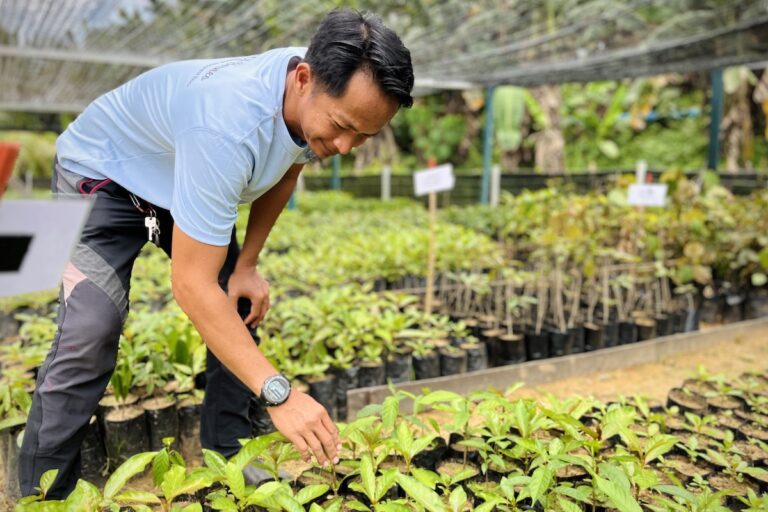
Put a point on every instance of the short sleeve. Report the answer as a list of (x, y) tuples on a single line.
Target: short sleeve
[(211, 172)]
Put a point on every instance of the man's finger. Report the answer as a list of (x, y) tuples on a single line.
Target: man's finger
[(329, 445), (330, 426), (300, 445), (315, 445), (264, 309)]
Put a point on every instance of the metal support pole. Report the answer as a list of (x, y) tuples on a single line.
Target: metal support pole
[(336, 173), (715, 117), (487, 146), (292, 201), (386, 183), (495, 185)]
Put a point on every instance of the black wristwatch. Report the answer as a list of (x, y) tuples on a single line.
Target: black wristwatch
[(275, 390)]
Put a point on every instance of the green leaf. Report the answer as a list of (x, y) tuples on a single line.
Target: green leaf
[(540, 482), (759, 279), (385, 482), (131, 496), (263, 493), (253, 448), (389, 412), (568, 506), (215, 461), (235, 481), (458, 499), (617, 489), (288, 503), (172, 480), (659, 445), (421, 494), (160, 465), (85, 498), (311, 492), (356, 505), (126, 471), (12, 421), (762, 256), (368, 477), (224, 504), (193, 507), (404, 438), (426, 477), (440, 396), (609, 148), (47, 479)]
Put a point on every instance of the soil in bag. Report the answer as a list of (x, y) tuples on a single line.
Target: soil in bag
[(93, 454), (426, 366), (399, 368), (576, 339), (125, 434), (477, 356), (627, 332), (346, 379), (189, 410), (536, 345), (323, 389), (453, 362), (371, 374), (558, 343), (162, 421), (511, 349)]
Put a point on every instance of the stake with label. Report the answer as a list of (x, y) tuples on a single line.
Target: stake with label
[(431, 181)]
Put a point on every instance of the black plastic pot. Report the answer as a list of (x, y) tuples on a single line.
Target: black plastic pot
[(371, 374), (427, 366), (125, 434), (491, 339), (536, 345), (453, 362), (477, 356), (10, 444), (511, 349), (662, 325), (733, 308), (711, 310), (460, 452), (346, 379), (646, 328), (473, 325), (111, 402), (399, 368), (162, 421), (610, 334), (429, 457), (676, 321), (756, 304), (189, 410), (92, 454), (627, 332), (323, 389), (689, 402), (558, 343), (576, 339), (9, 326), (593, 337)]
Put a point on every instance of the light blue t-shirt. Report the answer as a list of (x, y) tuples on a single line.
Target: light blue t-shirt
[(196, 137)]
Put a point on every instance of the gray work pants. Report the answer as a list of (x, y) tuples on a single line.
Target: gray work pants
[(93, 307)]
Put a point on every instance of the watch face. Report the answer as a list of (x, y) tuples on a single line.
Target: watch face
[(276, 389)]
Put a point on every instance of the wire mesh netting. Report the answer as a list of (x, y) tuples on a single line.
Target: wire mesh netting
[(60, 54)]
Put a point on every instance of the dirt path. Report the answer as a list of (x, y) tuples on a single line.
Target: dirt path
[(731, 356)]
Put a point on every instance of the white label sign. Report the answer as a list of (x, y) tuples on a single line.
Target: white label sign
[(51, 229), (436, 179), (654, 194)]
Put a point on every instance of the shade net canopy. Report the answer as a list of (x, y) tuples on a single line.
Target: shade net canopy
[(58, 55)]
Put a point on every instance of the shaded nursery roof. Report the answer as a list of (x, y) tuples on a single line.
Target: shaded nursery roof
[(58, 55)]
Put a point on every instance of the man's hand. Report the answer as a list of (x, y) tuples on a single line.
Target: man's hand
[(307, 425), (248, 283)]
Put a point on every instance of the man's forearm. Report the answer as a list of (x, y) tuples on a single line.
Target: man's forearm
[(210, 310), (262, 216)]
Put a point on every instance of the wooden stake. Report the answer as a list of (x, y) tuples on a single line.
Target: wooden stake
[(431, 254)]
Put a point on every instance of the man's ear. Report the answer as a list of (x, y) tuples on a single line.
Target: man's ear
[(303, 78)]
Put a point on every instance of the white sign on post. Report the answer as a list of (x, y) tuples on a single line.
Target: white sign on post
[(654, 194), (435, 179)]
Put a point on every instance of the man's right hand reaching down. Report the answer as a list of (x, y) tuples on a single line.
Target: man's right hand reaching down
[(308, 426)]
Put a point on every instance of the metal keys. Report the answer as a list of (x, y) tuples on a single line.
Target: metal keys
[(153, 229)]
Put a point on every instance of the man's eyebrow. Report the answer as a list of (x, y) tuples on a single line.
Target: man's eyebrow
[(344, 121)]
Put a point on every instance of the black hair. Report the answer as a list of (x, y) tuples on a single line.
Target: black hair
[(347, 41)]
